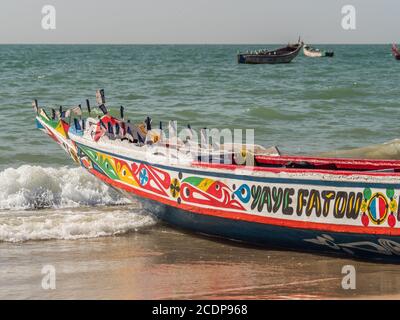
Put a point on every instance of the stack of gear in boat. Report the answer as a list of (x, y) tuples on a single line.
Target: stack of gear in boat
[(109, 129)]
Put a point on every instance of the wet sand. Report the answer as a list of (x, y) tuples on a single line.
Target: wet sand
[(162, 263)]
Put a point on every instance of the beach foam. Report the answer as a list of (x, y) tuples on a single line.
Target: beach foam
[(73, 205), (36, 187), (71, 224)]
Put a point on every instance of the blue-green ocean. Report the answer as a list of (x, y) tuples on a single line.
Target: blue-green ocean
[(308, 106)]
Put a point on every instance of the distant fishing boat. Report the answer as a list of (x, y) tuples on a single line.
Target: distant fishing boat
[(395, 52), (282, 55), (326, 205), (316, 53)]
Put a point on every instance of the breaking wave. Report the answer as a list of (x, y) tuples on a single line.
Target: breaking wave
[(70, 224), (73, 205), (36, 187)]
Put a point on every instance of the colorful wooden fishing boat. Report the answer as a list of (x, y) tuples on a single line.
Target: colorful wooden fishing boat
[(395, 52), (323, 205), (316, 53), (282, 55)]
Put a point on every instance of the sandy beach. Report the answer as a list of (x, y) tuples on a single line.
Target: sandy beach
[(159, 262)]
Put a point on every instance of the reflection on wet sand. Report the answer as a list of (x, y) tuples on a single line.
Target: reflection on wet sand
[(162, 263)]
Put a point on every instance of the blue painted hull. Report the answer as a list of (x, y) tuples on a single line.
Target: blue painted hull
[(361, 246)]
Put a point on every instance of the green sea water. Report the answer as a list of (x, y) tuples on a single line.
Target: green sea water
[(307, 106)]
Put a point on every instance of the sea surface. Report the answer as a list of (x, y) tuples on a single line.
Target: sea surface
[(103, 246)]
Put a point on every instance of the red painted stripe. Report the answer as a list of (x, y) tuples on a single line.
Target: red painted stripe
[(233, 167), (253, 218), (340, 163)]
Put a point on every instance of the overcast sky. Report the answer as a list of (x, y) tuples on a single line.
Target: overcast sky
[(199, 21)]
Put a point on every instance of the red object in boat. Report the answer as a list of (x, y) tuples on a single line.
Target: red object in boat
[(106, 119)]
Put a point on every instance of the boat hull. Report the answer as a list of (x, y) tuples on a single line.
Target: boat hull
[(312, 54), (254, 59), (309, 237), (268, 58), (317, 54), (359, 246), (319, 211)]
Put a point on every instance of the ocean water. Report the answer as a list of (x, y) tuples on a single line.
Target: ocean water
[(309, 105), (305, 107)]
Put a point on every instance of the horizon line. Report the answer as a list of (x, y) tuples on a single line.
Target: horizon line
[(190, 44)]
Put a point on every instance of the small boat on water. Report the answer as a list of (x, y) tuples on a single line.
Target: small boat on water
[(315, 204), (316, 53), (395, 52), (282, 55)]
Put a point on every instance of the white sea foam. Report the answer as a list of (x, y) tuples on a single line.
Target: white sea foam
[(16, 226), (73, 204), (34, 187)]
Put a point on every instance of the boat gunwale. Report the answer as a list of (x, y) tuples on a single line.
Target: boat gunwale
[(390, 164), (321, 178), (348, 163), (300, 170)]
